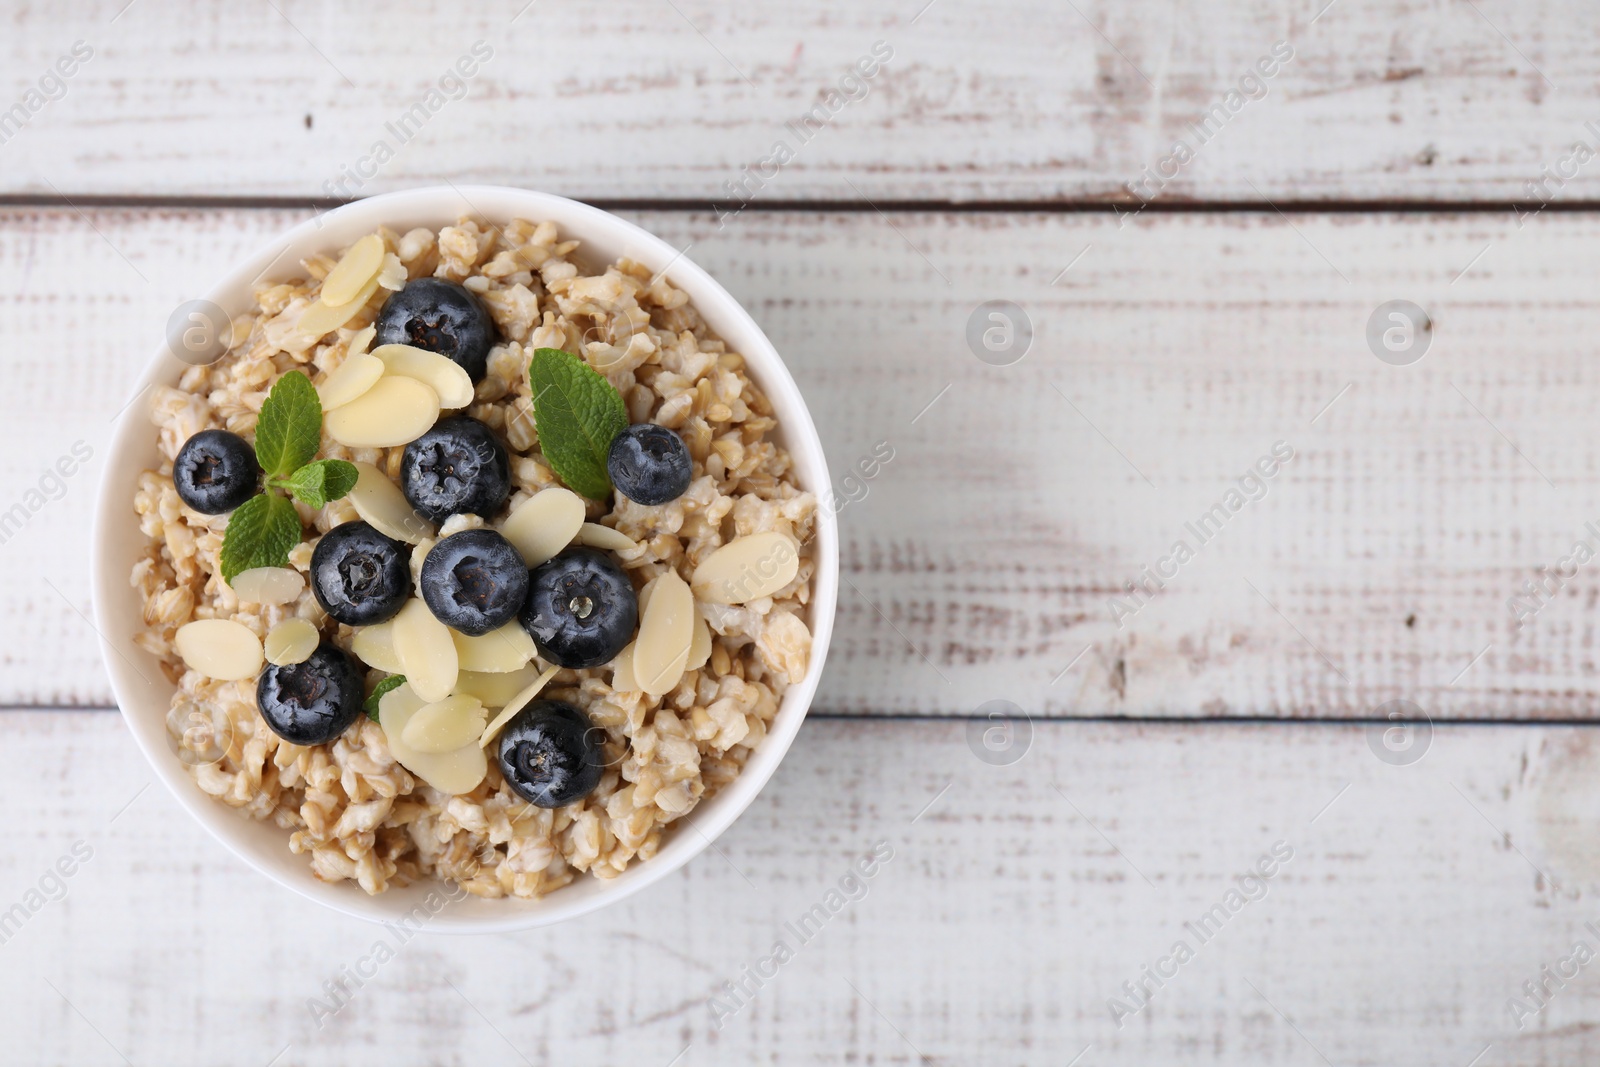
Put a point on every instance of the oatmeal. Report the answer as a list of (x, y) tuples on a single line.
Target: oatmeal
[(497, 573)]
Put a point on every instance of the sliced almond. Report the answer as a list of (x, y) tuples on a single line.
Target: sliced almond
[(381, 503), (268, 585), (361, 340), (516, 704), (544, 524), (496, 690), (350, 380), (419, 556), (291, 641), (747, 568), (444, 376), (321, 319), (399, 703), (392, 276), (622, 679), (374, 646), (455, 772), (427, 655), (394, 412), (354, 270), (507, 649), (700, 649), (666, 632), (445, 725), (596, 536), (219, 648)]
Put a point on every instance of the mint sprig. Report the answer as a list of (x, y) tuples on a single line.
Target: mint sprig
[(264, 529), (289, 430), (577, 413), (321, 481), (261, 532), (370, 705)]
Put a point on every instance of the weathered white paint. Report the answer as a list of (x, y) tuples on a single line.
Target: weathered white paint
[(1420, 897), (1014, 906), (1029, 100), (983, 559)]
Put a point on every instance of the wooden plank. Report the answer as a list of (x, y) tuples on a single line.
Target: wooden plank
[(1017, 902), (985, 556), (638, 99)]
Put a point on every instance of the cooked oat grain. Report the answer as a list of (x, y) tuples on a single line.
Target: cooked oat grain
[(348, 805)]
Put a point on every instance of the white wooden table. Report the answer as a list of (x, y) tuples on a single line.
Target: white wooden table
[(1167, 745)]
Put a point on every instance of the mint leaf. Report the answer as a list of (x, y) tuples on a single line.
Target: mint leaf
[(577, 413), (260, 533), (321, 481), (289, 431), (370, 706)]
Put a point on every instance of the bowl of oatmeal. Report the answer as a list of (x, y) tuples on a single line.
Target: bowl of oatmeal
[(460, 563)]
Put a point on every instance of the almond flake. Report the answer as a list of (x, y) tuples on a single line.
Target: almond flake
[(350, 380), (362, 339), (291, 641), (596, 536), (427, 655), (666, 632), (394, 412), (454, 772), (496, 690), (747, 568), (444, 376), (374, 646), (544, 524), (320, 319), (445, 725), (219, 648), (268, 585), (419, 556), (700, 649), (497, 652), (622, 679), (381, 503), (516, 704), (354, 270), (393, 275)]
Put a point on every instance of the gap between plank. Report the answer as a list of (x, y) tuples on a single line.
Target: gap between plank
[(1129, 720), (1106, 205)]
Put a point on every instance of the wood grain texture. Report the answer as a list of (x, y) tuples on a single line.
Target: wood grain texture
[(1415, 99), (1416, 901), (985, 556)]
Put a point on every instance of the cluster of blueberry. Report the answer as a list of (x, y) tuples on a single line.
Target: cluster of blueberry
[(579, 607)]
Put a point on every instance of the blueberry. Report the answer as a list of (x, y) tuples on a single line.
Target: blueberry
[(216, 471), (581, 609), (474, 581), (649, 464), (551, 754), (359, 576), (314, 701), (456, 467), (441, 317)]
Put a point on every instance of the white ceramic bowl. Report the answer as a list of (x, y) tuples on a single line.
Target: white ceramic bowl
[(118, 544)]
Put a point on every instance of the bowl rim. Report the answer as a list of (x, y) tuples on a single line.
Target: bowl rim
[(113, 519)]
